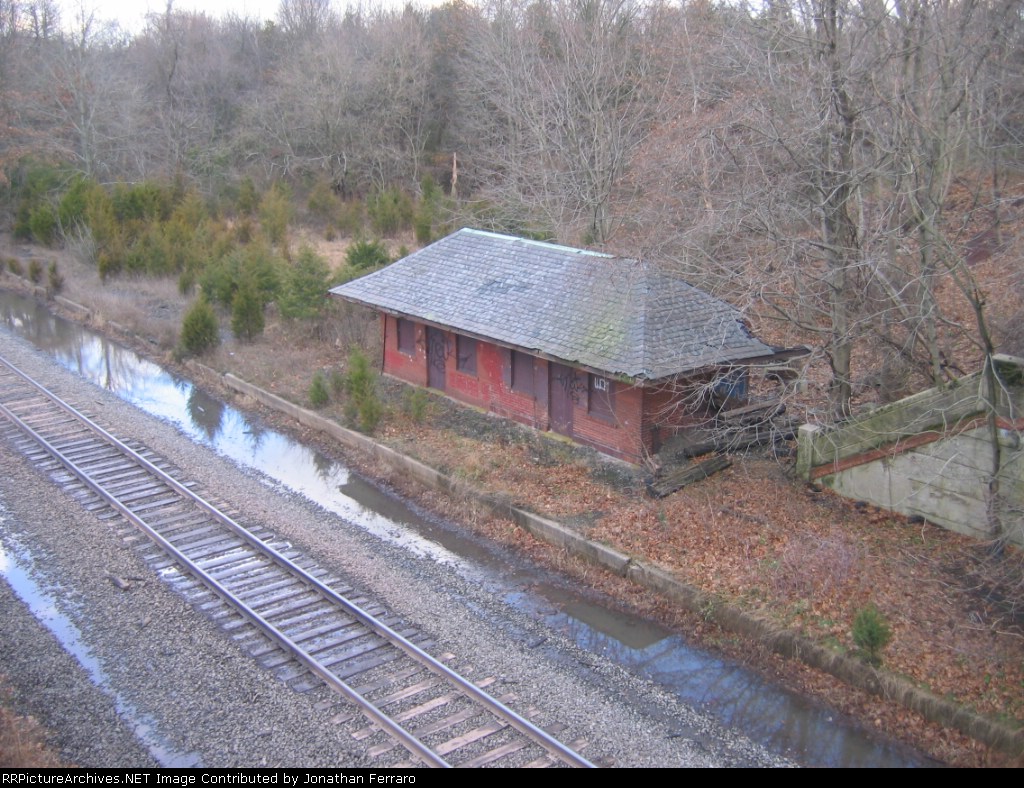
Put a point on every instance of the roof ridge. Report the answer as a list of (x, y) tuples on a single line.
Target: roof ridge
[(543, 244), (627, 316)]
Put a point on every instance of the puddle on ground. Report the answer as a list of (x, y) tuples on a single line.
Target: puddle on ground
[(23, 575), (784, 722)]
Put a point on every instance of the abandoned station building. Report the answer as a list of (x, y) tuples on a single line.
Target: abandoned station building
[(611, 352)]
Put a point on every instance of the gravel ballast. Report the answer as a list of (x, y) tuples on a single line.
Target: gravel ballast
[(210, 703)]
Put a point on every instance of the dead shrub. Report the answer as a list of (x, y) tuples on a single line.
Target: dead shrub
[(995, 579), (81, 246), (817, 566)]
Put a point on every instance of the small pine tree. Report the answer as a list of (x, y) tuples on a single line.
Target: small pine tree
[(363, 408), (248, 197), (43, 224), (264, 268), (306, 292), (415, 403), (367, 254), (390, 211), (871, 633), (323, 202), (318, 395), (247, 312), (72, 207), (199, 330), (337, 382), (276, 213), (423, 221)]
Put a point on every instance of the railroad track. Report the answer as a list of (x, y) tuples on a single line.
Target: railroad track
[(290, 611)]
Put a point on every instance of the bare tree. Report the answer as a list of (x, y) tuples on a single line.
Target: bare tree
[(198, 75), (304, 116), (790, 154), (43, 19), (396, 95), (306, 18), (89, 102), (564, 94)]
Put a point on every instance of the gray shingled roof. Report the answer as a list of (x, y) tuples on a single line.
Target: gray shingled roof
[(612, 314)]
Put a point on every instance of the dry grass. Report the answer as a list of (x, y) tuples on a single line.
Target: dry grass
[(151, 308), (23, 740), (751, 534)]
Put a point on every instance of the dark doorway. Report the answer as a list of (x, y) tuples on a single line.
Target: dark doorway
[(562, 391), (436, 352)]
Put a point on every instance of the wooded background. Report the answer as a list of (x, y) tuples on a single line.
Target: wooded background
[(839, 170)]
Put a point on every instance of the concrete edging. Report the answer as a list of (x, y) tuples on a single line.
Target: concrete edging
[(783, 641)]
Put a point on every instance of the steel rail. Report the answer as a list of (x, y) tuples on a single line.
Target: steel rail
[(500, 710), (406, 738)]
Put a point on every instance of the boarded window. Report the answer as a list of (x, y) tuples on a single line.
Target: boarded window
[(522, 373), (407, 336), (466, 350), (601, 397), (732, 385)]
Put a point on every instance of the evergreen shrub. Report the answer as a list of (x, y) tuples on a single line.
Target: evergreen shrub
[(871, 633), (367, 255), (318, 395), (363, 408), (199, 330), (390, 211), (247, 312)]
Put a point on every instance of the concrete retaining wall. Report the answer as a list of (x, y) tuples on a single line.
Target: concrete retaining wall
[(930, 455), (786, 642), (994, 733)]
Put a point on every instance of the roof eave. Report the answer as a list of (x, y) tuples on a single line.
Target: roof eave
[(605, 373), (776, 356), (638, 379)]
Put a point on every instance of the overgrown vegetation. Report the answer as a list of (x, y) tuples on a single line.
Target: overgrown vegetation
[(800, 160)]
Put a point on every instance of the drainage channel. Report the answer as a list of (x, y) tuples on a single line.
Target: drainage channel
[(738, 698), (19, 569)]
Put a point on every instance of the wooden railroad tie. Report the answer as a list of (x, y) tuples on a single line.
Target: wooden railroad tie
[(677, 478)]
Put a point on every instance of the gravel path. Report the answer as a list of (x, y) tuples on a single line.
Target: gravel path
[(174, 673)]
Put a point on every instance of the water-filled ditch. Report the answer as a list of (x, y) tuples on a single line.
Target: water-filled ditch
[(783, 721)]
